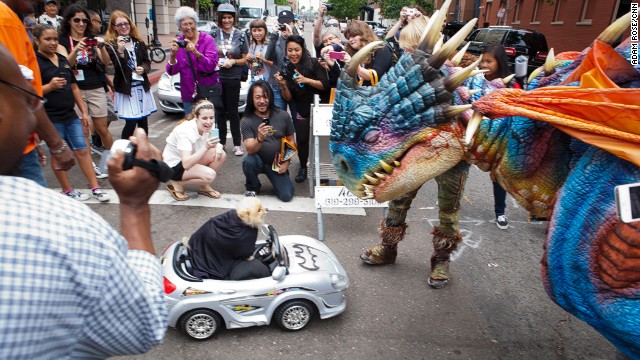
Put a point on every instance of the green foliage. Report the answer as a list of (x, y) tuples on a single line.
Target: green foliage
[(391, 8), (346, 8), (280, 2), (205, 5)]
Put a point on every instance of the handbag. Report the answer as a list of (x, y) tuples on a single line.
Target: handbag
[(212, 93)]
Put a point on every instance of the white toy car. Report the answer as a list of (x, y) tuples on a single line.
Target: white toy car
[(306, 279)]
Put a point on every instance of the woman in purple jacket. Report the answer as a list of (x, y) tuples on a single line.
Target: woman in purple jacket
[(192, 48)]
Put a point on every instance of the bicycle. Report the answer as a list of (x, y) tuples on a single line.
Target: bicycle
[(156, 55)]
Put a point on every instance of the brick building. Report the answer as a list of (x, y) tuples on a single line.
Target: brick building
[(567, 24)]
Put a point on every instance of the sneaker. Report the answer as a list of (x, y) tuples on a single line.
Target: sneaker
[(96, 149), (237, 151), (75, 194), (250, 193), (100, 195), (502, 222), (99, 174)]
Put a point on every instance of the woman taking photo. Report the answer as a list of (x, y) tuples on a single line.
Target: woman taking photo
[(233, 47), (62, 93), (194, 155), (194, 57), (88, 57), (299, 81), (358, 35), (133, 101)]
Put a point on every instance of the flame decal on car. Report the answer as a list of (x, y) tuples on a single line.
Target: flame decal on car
[(306, 257), (191, 291)]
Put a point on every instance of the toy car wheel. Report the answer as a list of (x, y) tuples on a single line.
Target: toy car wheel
[(294, 315), (200, 324)]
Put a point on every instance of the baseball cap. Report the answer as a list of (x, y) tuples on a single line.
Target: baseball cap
[(50, 1), (285, 17)]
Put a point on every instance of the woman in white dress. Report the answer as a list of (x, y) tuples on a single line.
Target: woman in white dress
[(133, 100)]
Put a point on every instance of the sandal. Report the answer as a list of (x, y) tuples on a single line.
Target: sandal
[(210, 193), (177, 195)]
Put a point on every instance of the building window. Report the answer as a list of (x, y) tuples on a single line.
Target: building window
[(586, 14), (487, 13), (557, 19), (516, 12), (534, 13)]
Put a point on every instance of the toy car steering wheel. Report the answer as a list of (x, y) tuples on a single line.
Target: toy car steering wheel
[(275, 245)]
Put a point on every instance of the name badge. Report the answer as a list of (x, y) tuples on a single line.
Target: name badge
[(137, 77), (79, 75)]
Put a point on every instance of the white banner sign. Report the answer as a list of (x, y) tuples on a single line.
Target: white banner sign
[(339, 196)]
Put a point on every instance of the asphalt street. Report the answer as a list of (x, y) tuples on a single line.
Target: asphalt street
[(494, 308)]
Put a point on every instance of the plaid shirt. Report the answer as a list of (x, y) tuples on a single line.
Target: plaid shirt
[(69, 287)]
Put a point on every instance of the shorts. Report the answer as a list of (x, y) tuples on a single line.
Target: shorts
[(178, 171), (72, 132), (96, 102)]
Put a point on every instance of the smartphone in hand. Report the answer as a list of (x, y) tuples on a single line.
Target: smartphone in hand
[(336, 55), (214, 132)]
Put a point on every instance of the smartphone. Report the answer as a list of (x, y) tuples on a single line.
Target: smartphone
[(214, 132), (628, 202), (265, 121), (336, 55)]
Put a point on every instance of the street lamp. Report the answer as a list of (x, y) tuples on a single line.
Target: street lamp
[(156, 41)]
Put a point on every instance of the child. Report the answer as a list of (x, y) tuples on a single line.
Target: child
[(62, 93), (494, 59), (258, 65)]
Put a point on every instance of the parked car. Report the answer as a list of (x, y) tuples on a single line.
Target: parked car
[(170, 99), (206, 26), (516, 42), (306, 279)]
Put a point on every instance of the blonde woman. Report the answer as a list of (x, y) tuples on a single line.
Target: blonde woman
[(358, 35)]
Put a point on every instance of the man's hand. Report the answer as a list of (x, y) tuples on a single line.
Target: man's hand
[(134, 187), (284, 166)]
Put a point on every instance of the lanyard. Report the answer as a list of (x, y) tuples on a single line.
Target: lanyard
[(224, 46), (255, 49)]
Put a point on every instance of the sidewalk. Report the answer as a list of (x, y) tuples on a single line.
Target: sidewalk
[(158, 69)]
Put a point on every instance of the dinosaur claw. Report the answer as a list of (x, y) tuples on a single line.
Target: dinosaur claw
[(472, 127)]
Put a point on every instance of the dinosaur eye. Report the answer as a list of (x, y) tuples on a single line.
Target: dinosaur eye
[(372, 136)]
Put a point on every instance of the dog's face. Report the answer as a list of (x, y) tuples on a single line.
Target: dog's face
[(251, 212)]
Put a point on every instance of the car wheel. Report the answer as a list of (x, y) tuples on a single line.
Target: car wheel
[(200, 324), (294, 315)]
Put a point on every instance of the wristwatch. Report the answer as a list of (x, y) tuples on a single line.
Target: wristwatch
[(60, 150)]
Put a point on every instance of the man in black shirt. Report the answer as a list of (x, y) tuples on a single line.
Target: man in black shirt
[(263, 127)]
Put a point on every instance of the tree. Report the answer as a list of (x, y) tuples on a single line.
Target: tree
[(347, 8)]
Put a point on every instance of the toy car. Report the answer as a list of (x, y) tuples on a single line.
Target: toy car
[(306, 278)]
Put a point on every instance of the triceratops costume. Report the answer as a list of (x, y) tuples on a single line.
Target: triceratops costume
[(559, 150)]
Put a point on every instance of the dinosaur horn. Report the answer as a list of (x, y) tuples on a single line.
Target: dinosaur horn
[(450, 46), (431, 38), (458, 57), (616, 29), (453, 110), (535, 73), (508, 79), (455, 80), (438, 45), (359, 56), (425, 32), (472, 127), (550, 63)]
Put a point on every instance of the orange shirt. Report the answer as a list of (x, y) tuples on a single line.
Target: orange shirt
[(13, 35)]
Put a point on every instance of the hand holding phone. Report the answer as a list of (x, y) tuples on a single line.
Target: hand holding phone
[(336, 55), (628, 202), (214, 132)]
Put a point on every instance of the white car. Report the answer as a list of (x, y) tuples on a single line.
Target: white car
[(171, 102), (306, 279)]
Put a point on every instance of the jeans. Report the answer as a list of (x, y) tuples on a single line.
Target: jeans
[(499, 199), (71, 131), (31, 168), (230, 99), (252, 165), (187, 106)]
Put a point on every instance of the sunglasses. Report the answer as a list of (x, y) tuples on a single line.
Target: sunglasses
[(334, 25), (121, 25), (78, 20), (35, 101)]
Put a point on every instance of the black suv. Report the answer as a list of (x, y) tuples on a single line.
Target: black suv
[(516, 42)]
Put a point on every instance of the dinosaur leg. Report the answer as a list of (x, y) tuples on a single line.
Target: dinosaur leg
[(446, 236), (392, 230)]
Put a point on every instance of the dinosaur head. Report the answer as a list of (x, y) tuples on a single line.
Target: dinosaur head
[(392, 138)]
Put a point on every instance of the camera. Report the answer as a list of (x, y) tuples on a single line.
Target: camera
[(157, 168), (329, 7), (282, 27), (91, 42), (129, 150), (181, 43), (127, 39)]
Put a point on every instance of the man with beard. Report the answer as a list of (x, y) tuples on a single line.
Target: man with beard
[(263, 127)]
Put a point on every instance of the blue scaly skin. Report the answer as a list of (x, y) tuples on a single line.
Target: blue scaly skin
[(398, 135)]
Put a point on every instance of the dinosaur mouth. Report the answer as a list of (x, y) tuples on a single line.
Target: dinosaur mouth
[(416, 165)]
